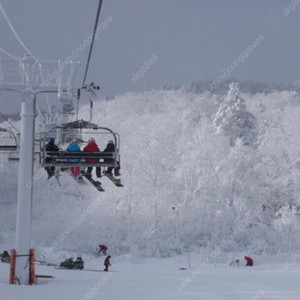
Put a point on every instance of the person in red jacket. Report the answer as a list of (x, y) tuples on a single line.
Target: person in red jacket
[(249, 261), (107, 263), (92, 147), (103, 249)]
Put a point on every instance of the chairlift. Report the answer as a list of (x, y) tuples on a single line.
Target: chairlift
[(80, 130), (12, 147)]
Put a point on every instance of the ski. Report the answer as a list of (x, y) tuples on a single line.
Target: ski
[(96, 184), (115, 181), (57, 177)]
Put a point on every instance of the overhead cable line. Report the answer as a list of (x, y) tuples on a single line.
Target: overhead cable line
[(8, 54), (92, 42), (14, 31), (25, 48)]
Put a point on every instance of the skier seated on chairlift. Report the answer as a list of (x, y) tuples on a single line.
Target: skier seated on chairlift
[(75, 171), (103, 249), (111, 148), (50, 147), (249, 261), (92, 147)]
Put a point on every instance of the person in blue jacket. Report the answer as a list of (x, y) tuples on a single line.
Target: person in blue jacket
[(74, 147)]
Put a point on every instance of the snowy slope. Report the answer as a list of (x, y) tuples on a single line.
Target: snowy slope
[(162, 279)]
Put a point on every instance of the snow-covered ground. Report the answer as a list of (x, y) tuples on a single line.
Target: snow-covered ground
[(154, 278)]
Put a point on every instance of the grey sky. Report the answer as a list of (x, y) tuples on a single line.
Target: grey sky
[(192, 39)]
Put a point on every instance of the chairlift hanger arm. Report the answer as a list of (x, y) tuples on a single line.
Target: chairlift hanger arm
[(89, 56), (92, 42)]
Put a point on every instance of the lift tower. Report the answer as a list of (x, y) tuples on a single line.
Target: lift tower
[(28, 77)]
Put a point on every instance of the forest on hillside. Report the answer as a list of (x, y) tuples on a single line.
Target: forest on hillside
[(200, 170)]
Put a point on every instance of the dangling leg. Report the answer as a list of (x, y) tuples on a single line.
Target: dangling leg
[(89, 171), (49, 172), (109, 171), (72, 171), (117, 171), (98, 172), (76, 171)]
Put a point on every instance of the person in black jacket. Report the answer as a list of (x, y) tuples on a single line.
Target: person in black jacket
[(50, 147), (111, 148), (5, 257)]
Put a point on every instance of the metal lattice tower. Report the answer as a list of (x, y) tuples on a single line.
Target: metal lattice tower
[(30, 77)]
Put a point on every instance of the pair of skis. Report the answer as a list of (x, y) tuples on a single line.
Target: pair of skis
[(97, 184)]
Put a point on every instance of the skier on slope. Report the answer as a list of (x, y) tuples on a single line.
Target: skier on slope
[(92, 147), (50, 147), (103, 249), (107, 263), (111, 148), (249, 261)]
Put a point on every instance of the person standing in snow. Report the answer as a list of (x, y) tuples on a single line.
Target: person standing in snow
[(73, 147), (50, 147), (111, 148), (92, 147), (249, 261), (107, 263)]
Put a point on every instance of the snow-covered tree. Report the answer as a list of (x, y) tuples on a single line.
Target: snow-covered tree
[(233, 119)]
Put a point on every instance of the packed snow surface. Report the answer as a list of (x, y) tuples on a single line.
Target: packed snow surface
[(164, 279)]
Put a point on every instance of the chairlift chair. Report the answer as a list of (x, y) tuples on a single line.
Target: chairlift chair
[(12, 147), (87, 129)]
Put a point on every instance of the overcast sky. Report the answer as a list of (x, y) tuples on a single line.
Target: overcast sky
[(188, 40)]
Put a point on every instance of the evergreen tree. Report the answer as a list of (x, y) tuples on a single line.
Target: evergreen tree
[(234, 120)]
